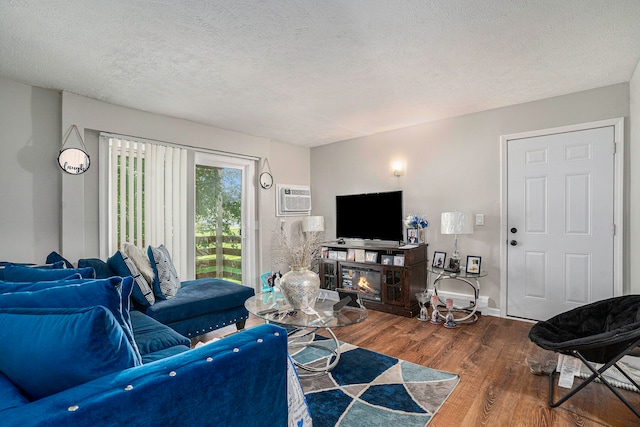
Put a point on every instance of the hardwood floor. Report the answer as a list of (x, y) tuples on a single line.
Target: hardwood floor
[(496, 386)]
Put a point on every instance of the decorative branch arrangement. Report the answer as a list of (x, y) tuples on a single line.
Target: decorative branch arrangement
[(298, 249)]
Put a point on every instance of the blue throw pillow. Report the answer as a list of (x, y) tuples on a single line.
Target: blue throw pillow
[(108, 293), (165, 278), (123, 266), (6, 287), (56, 257), (102, 269), (64, 348), (17, 273)]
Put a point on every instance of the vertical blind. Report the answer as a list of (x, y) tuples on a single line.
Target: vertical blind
[(147, 197)]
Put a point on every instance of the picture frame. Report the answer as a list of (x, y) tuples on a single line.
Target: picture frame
[(342, 255), (398, 260), (438, 259), (387, 259), (412, 236), (359, 255), (371, 257), (453, 266), (473, 264), (351, 254)]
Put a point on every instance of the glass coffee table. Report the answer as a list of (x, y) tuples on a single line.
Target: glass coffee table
[(302, 325)]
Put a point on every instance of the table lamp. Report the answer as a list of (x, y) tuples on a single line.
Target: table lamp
[(456, 223), (313, 224)]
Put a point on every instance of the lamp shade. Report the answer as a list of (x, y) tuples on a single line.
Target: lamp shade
[(313, 224), (456, 223)]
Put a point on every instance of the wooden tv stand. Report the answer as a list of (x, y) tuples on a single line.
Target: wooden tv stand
[(398, 285)]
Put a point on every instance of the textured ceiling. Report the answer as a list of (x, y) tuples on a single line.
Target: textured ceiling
[(314, 72)]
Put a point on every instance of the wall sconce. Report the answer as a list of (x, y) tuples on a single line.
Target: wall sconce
[(398, 168)]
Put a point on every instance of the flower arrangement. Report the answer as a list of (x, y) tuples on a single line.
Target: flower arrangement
[(297, 250), (416, 221)]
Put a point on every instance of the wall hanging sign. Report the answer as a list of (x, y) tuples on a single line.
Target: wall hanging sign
[(74, 161), (266, 179)]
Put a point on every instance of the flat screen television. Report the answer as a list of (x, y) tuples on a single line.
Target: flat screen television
[(372, 216)]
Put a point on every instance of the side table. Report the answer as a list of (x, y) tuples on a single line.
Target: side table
[(469, 279)]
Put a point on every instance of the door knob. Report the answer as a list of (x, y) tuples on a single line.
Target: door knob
[(513, 243), (514, 230)]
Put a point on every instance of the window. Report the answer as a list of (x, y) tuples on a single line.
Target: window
[(200, 205)]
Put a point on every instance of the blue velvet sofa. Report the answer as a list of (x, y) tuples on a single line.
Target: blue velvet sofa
[(199, 306), (72, 353), (237, 381)]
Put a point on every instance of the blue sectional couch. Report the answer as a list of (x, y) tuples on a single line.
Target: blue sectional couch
[(72, 352), (237, 381)]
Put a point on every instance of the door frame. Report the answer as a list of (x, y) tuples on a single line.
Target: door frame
[(618, 200), (249, 212)]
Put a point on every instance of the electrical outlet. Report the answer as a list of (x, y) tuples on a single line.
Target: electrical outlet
[(479, 219)]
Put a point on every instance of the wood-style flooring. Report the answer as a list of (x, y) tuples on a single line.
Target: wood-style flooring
[(496, 386)]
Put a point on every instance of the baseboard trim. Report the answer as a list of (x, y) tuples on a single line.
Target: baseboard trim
[(464, 300)]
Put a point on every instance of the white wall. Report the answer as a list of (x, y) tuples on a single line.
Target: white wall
[(451, 164), (633, 159), (30, 140), (290, 165)]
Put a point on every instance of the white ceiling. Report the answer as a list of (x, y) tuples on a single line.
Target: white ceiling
[(312, 72)]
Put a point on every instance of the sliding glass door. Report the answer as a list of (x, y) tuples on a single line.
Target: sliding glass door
[(224, 217)]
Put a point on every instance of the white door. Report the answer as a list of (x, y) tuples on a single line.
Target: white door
[(560, 218)]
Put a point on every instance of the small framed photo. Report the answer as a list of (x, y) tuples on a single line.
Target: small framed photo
[(453, 266), (351, 254), (398, 260), (342, 255), (359, 255), (412, 236), (371, 256), (473, 264), (438, 259), (387, 259)]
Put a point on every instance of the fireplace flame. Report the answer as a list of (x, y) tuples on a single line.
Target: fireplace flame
[(363, 286)]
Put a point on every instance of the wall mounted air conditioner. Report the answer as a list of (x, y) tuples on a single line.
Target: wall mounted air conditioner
[(293, 200)]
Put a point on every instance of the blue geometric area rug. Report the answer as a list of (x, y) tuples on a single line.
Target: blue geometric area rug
[(370, 389)]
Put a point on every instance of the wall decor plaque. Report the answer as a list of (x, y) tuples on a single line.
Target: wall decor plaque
[(74, 161)]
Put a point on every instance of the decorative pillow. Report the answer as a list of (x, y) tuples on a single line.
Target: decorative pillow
[(6, 287), (107, 293), (65, 348), (140, 259), (56, 257), (3, 264), (166, 282), (123, 266), (102, 269), (18, 273), (124, 285)]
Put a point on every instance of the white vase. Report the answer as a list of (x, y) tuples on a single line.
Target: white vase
[(300, 287)]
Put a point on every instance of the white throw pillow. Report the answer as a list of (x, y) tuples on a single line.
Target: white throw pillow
[(141, 260)]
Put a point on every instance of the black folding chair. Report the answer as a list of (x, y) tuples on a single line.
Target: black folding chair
[(601, 332)]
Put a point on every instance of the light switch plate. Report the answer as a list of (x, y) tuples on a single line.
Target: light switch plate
[(479, 219)]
